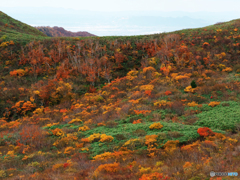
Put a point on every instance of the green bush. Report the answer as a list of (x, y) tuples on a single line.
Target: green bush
[(193, 84)]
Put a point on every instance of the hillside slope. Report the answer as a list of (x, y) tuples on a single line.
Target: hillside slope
[(15, 30), (163, 106), (61, 32)]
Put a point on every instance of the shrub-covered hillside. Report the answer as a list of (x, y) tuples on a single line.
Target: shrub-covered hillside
[(17, 31), (163, 106)]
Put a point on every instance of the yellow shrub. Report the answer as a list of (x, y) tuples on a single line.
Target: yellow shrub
[(75, 120), (88, 121), (2, 174), (146, 87), (51, 124), (152, 61), (129, 142), (84, 149), (4, 44), (171, 145), (162, 103), (188, 74), (192, 104), (69, 150), (221, 66), (150, 139), (145, 170), (97, 98), (159, 163), (223, 54), (150, 68), (94, 137), (132, 73), (57, 166), (102, 156), (105, 138), (156, 126), (36, 92), (181, 77), (213, 103), (190, 89), (157, 74), (84, 128)]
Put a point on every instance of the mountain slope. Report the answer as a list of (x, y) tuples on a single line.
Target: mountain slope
[(61, 32), (15, 30), (9, 25)]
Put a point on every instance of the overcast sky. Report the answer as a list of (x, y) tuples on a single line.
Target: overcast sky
[(106, 17), (126, 5)]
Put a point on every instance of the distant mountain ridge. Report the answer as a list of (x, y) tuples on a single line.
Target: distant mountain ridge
[(61, 32)]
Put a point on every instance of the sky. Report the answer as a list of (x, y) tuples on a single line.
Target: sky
[(122, 17), (133, 5)]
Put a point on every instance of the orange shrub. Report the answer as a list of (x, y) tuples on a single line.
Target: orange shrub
[(137, 121), (18, 72), (150, 139), (187, 165), (155, 175), (213, 103), (190, 147), (142, 111), (156, 126), (58, 132), (85, 140), (108, 167), (63, 111), (170, 145), (69, 150), (228, 69)]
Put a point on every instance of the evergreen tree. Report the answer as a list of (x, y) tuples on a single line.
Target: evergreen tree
[(193, 84)]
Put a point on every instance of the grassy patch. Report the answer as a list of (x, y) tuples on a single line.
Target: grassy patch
[(221, 117), (124, 132)]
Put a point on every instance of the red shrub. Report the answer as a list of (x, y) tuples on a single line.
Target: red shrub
[(205, 131), (168, 93), (32, 135), (92, 89), (66, 165)]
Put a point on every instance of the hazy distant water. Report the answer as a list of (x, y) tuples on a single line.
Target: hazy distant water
[(118, 30), (108, 30), (114, 30)]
